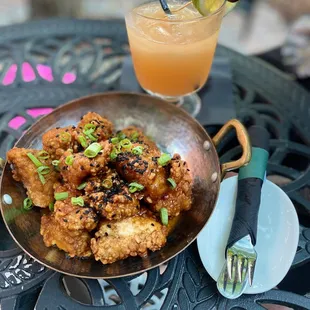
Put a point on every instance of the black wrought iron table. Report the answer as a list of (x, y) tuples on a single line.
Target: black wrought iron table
[(46, 63)]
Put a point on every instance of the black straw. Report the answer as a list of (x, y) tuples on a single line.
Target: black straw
[(165, 7)]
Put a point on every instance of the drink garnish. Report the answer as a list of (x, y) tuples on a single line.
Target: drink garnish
[(207, 7)]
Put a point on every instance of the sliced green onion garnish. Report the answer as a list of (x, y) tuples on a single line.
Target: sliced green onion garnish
[(164, 159), (125, 143), (65, 137), (82, 186), (88, 131), (164, 216), (51, 207), (114, 140), (34, 160), (89, 126), (138, 150), (93, 150), (69, 160), (43, 155), (172, 183), (113, 154), (44, 170), (134, 186), (90, 135), (134, 136), (61, 196), (27, 204), (55, 163), (107, 183), (121, 136), (42, 179), (77, 201), (83, 141)]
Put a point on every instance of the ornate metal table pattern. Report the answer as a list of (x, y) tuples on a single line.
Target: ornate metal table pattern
[(46, 63)]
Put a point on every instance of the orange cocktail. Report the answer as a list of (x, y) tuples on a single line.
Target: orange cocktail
[(172, 55)]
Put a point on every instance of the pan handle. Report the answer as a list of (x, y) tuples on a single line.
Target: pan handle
[(244, 141)]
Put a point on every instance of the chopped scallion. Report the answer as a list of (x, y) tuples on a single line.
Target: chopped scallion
[(134, 186), (138, 150), (61, 196), (114, 140), (51, 207), (107, 183), (93, 150), (43, 155), (90, 126), (113, 154), (27, 204), (83, 141), (164, 216), (82, 186), (43, 170), (121, 136), (125, 143), (34, 160), (164, 159), (65, 136), (77, 201), (172, 183), (69, 160), (55, 163), (134, 136), (42, 179), (90, 136)]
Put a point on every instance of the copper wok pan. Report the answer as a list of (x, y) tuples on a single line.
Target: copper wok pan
[(174, 131)]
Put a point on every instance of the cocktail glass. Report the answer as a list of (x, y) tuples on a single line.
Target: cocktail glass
[(172, 54)]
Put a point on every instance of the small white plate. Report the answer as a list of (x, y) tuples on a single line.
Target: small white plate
[(277, 235)]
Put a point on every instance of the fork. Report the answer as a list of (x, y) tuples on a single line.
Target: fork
[(238, 272)]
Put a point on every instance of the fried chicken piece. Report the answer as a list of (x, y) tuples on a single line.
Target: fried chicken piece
[(143, 168), (25, 171), (74, 242), (57, 140), (138, 138), (102, 131), (129, 237), (73, 217), (83, 166), (145, 171), (114, 202), (178, 199)]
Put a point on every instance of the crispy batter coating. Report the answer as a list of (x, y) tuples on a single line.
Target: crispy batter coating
[(178, 199), (128, 237), (102, 132), (25, 171), (138, 138), (115, 202), (74, 242), (57, 140), (70, 216), (75, 217), (83, 166), (143, 168), (145, 171)]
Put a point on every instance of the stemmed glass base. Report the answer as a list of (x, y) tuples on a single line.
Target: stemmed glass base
[(190, 103)]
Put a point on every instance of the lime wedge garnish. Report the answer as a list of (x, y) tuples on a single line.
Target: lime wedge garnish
[(207, 7)]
